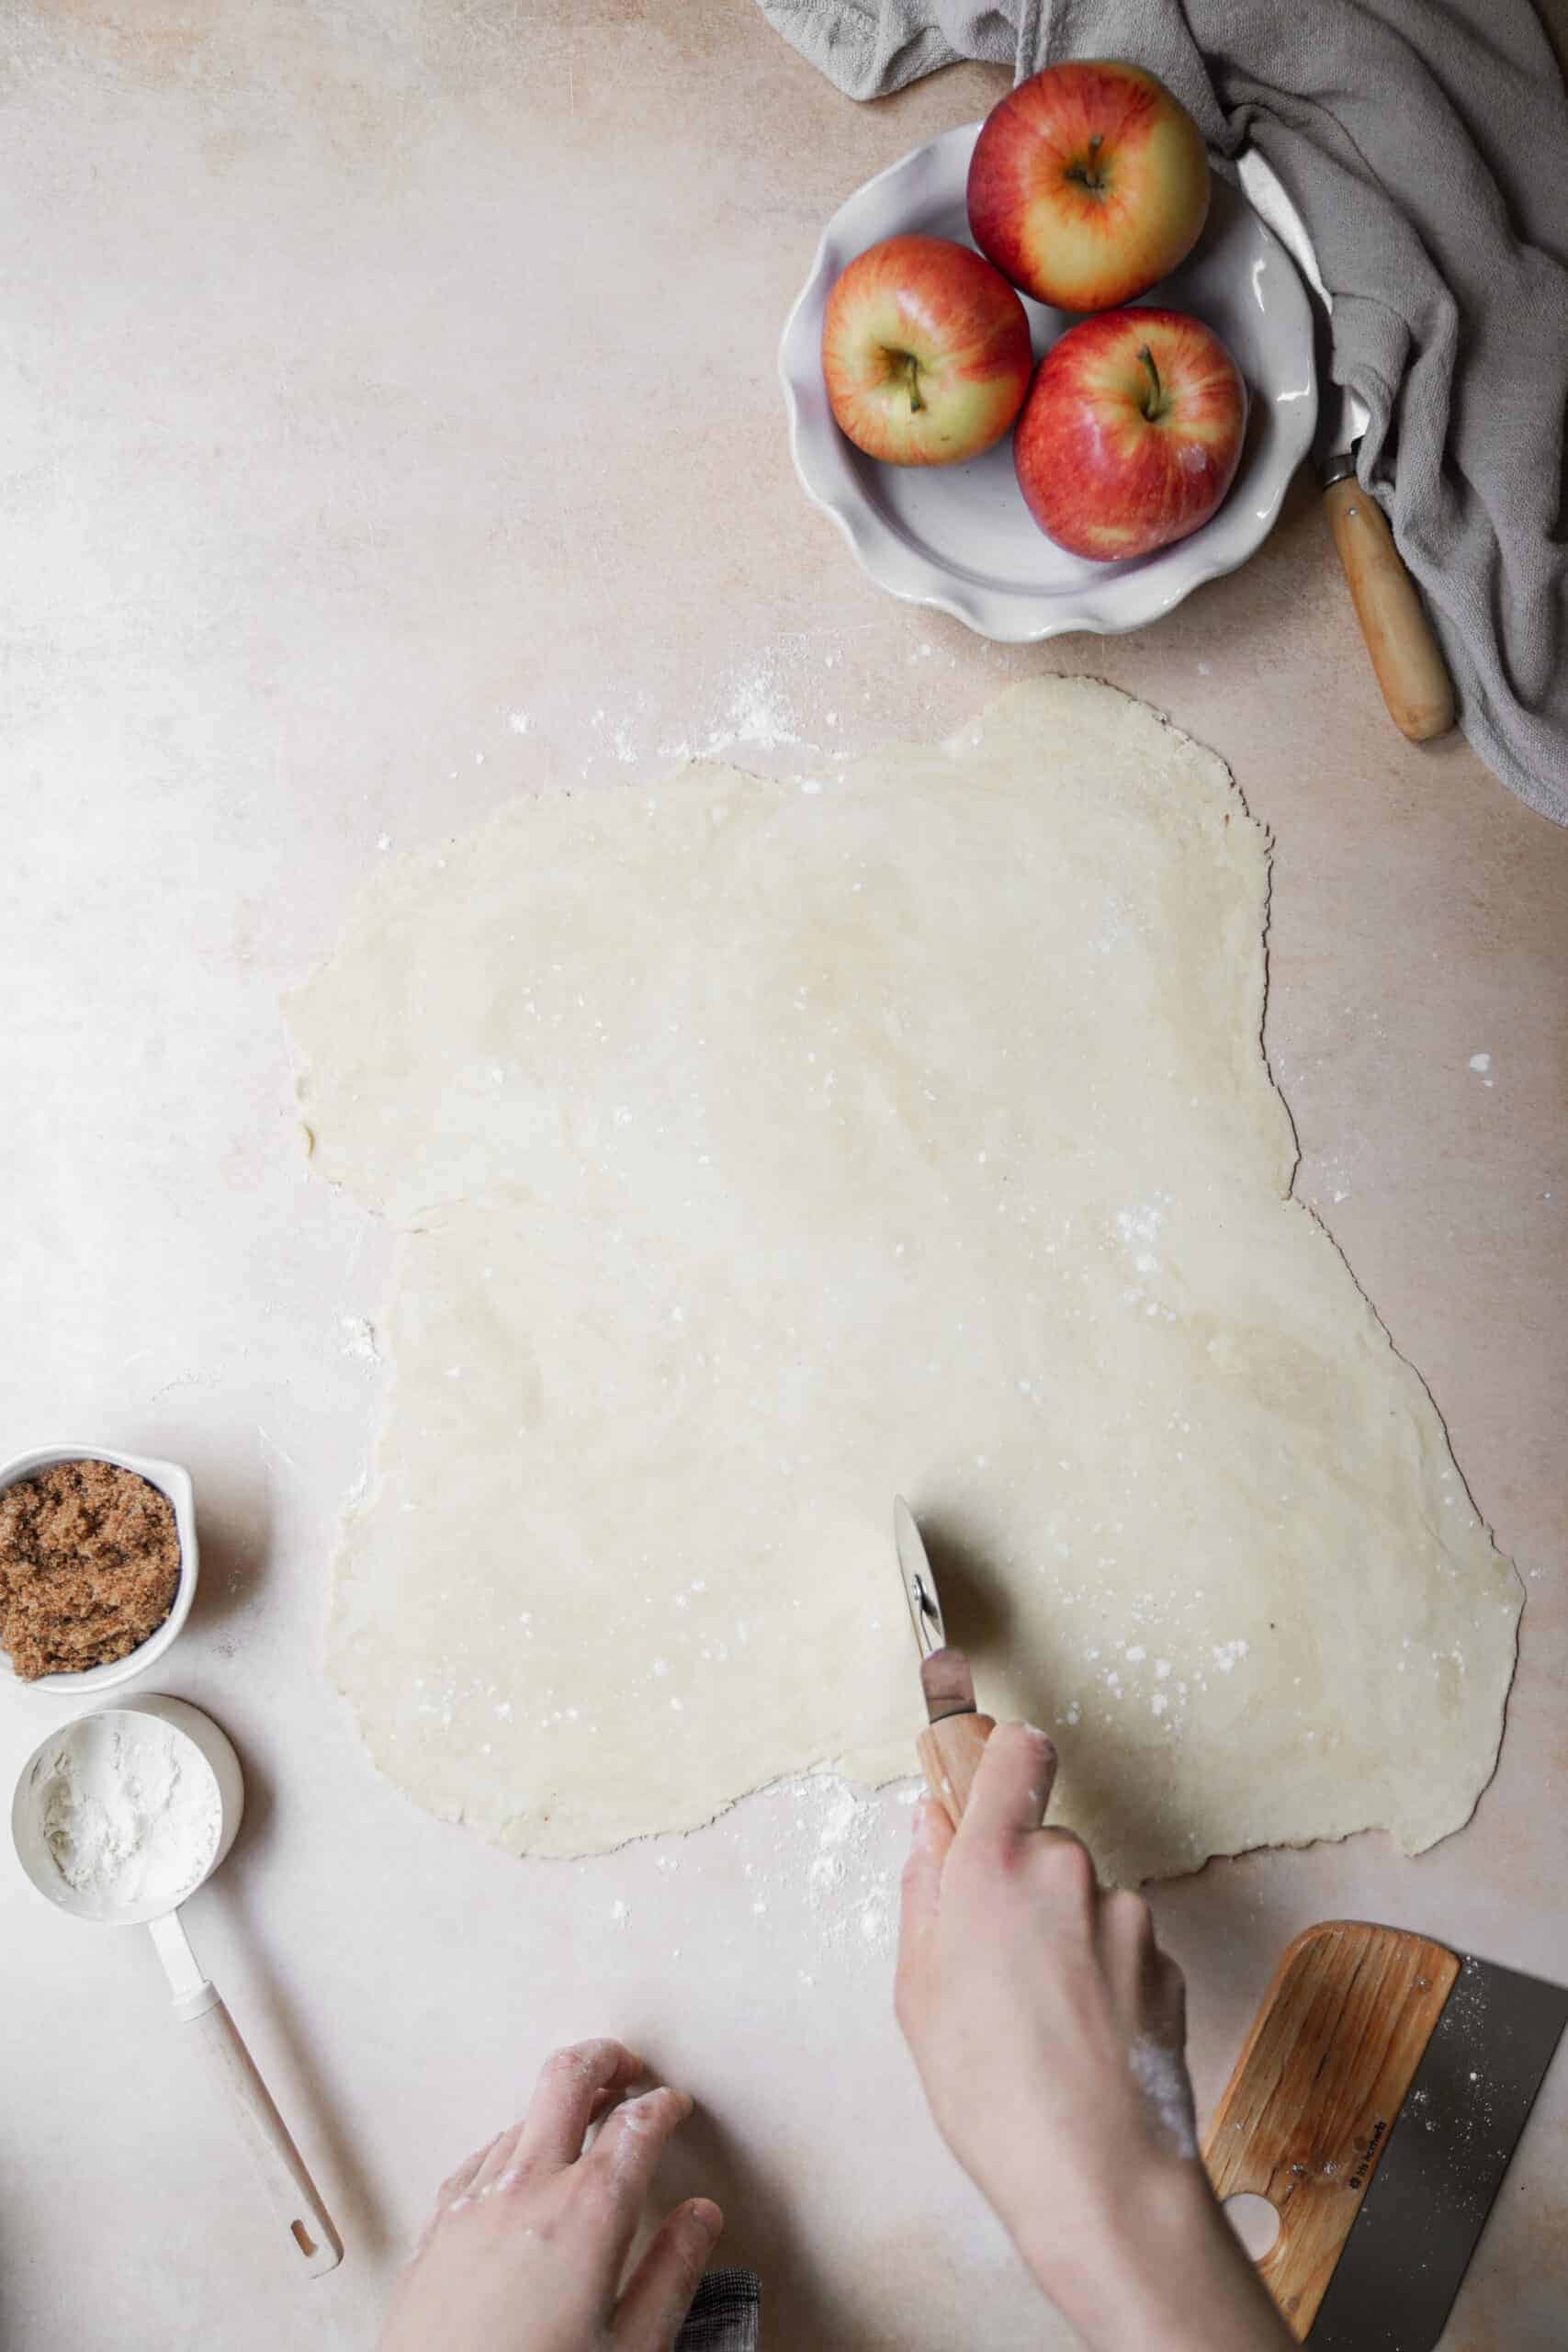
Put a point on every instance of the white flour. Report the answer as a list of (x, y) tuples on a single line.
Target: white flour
[(839, 1857), (130, 1811), (1161, 2076)]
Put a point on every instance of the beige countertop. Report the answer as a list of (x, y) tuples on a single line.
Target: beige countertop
[(391, 423)]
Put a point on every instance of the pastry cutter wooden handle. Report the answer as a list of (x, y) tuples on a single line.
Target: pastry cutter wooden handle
[(951, 1747)]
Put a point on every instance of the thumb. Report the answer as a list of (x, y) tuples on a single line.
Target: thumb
[(919, 1899), (1012, 1787)]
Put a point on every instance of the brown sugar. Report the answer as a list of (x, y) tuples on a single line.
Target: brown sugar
[(89, 1566)]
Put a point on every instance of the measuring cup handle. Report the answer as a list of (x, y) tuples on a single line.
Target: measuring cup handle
[(279, 2165)]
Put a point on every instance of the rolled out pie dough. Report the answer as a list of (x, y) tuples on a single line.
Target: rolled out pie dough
[(761, 1149)]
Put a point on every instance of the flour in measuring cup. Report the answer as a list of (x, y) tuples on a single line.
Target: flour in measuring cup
[(129, 1813)]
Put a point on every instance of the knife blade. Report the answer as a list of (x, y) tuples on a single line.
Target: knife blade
[(1407, 660), (1342, 415)]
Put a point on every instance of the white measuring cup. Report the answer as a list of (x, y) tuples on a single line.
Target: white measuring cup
[(308, 2229)]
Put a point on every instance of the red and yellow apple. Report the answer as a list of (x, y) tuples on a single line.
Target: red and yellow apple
[(1132, 433), (1087, 183), (925, 352)]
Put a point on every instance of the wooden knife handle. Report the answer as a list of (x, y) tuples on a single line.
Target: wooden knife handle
[(949, 1754), (1308, 2111), (1405, 657)]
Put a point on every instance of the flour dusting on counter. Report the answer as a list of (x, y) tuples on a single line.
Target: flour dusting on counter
[(839, 1852)]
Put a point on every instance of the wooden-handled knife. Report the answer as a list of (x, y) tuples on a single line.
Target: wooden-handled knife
[(955, 1738), (1406, 656)]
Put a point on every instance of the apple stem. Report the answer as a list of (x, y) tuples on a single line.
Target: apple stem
[(1156, 404), (1089, 175), (912, 376)]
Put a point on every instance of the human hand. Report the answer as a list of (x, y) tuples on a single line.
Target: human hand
[(527, 2246), (1048, 2029)]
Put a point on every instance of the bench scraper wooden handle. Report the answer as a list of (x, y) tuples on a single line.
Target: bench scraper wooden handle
[(1307, 2112)]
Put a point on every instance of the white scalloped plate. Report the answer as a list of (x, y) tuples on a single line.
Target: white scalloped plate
[(960, 538)]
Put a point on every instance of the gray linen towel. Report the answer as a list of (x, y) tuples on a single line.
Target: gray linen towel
[(1425, 144), (727, 2315)]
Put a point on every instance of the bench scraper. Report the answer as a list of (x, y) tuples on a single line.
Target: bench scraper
[(1377, 2100)]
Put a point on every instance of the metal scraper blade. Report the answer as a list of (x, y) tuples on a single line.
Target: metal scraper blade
[(1395, 2282)]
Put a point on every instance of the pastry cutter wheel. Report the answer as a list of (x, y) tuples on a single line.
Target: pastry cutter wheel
[(955, 1738)]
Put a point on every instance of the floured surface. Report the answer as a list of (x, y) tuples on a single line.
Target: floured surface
[(761, 1150)]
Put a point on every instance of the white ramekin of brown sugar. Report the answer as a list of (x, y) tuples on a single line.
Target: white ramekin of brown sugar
[(84, 1565)]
